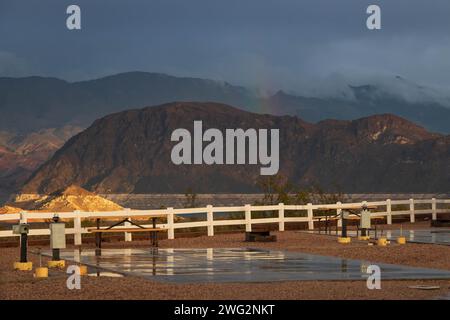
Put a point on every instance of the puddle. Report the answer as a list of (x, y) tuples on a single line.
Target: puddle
[(430, 236), (104, 274), (236, 265)]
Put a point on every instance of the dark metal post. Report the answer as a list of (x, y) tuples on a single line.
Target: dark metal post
[(98, 240), (23, 247), (56, 256), (154, 234), (344, 225)]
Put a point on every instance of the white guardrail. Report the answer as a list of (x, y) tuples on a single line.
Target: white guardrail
[(407, 207)]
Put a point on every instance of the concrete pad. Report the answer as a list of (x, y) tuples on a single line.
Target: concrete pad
[(237, 265)]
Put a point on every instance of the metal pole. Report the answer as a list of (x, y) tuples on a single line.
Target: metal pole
[(153, 234), (23, 247), (98, 240), (56, 255), (344, 225)]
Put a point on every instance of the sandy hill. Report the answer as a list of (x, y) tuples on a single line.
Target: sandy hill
[(9, 209), (66, 200)]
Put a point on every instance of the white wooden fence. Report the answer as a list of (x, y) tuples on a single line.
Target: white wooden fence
[(304, 213)]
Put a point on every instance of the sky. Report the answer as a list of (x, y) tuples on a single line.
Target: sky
[(295, 45)]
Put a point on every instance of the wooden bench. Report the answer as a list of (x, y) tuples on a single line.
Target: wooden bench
[(259, 236), (114, 229)]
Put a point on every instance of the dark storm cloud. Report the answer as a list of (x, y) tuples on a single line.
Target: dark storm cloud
[(291, 44)]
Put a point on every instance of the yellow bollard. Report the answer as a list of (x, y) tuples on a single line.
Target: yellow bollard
[(401, 240), (382, 242), (83, 270), (41, 272), (344, 240), (363, 238), (60, 264), (23, 266)]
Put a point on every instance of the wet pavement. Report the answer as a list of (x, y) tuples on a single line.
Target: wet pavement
[(430, 236), (235, 265), (433, 236)]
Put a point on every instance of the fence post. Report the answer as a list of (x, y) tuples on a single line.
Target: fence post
[(433, 209), (310, 217), (281, 216), (339, 214), (23, 217), (128, 236), (411, 209), (170, 222), (210, 219), (248, 218), (389, 211), (77, 228)]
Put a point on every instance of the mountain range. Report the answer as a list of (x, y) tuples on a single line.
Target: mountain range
[(35, 103), (39, 114), (129, 152)]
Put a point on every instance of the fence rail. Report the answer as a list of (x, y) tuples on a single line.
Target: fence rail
[(308, 213)]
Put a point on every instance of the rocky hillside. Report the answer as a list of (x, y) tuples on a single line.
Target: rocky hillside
[(21, 154), (129, 152)]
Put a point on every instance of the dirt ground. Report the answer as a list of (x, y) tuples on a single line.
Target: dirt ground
[(22, 285)]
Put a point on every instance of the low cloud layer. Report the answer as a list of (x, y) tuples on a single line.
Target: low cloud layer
[(310, 47)]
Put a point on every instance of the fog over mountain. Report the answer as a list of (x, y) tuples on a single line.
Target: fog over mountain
[(340, 86), (34, 103)]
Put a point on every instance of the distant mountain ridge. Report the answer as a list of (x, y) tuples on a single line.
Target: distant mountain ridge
[(34, 103), (367, 100), (129, 152)]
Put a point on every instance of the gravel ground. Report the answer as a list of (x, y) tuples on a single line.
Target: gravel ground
[(22, 285)]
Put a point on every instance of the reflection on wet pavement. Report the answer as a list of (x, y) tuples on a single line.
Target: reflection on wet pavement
[(435, 236), (236, 265), (432, 236)]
